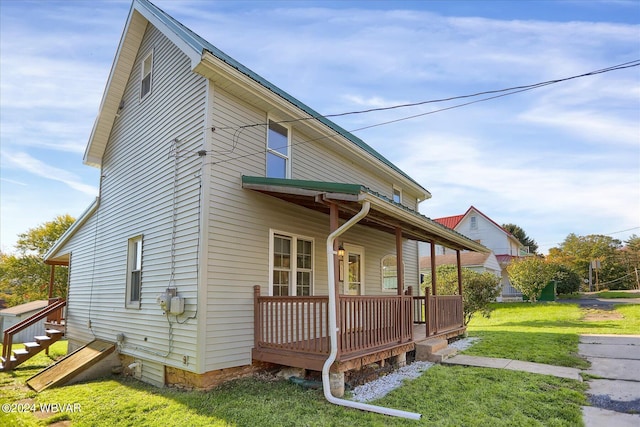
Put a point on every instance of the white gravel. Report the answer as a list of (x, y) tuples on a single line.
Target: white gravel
[(382, 386)]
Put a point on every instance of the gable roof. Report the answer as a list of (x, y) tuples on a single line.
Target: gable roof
[(196, 48), (453, 221)]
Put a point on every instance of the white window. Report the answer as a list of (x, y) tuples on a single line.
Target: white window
[(134, 272), (291, 265), (397, 195), (390, 273), (145, 77), (278, 165), (474, 223), (352, 270)]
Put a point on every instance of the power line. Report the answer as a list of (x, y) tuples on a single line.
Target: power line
[(503, 92)]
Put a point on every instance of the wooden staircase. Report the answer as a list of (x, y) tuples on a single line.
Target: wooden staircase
[(12, 358), (40, 343)]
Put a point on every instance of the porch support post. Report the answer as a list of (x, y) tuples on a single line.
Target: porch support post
[(459, 264), (333, 226), (52, 277), (399, 269), (434, 291), (400, 281)]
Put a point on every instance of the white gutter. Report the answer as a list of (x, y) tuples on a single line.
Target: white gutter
[(333, 328)]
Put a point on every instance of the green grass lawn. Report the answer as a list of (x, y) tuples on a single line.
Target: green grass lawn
[(444, 395), (545, 332)]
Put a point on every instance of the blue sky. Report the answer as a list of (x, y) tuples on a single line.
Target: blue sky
[(557, 160)]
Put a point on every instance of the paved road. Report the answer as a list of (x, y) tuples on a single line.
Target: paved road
[(615, 395)]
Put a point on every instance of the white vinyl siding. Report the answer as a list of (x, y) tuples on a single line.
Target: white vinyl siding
[(145, 190)]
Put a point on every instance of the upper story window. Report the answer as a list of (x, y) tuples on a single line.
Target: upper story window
[(145, 75), (134, 272), (397, 195), (291, 265), (474, 223), (278, 157)]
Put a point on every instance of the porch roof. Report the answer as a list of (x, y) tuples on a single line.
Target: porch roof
[(384, 215)]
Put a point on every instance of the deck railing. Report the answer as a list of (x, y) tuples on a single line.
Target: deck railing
[(449, 311), (301, 324)]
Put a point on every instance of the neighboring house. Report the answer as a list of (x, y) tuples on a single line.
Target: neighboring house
[(207, 252), (13, 315), (482, 229), (475, 261)]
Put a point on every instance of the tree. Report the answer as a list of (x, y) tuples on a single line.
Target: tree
[(478, 289), (24, 276), (530, 275), (567, 281), (522, 237)]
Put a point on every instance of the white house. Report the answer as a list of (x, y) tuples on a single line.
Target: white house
[(482, 229), (223, 211)]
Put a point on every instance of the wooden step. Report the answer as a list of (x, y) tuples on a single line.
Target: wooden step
[(52, 332), (32, 347), (42, 339), (20, 352)]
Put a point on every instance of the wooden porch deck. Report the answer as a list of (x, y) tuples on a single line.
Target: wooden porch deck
[(293, 331)]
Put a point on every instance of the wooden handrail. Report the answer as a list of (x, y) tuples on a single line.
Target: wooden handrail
[(10, 332)]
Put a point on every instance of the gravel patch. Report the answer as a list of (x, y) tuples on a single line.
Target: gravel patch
[(382, 386)]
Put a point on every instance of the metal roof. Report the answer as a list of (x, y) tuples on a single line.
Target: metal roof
[(385, 214)]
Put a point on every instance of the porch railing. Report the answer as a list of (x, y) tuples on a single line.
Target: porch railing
[(301, 324), (449, 311)]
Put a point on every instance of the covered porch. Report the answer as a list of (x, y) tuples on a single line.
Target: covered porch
[(294, 330)]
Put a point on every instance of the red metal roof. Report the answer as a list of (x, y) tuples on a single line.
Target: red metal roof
[(450, 221)]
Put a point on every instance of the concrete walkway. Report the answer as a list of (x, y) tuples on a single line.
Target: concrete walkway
[(615, 360), (515, 365)]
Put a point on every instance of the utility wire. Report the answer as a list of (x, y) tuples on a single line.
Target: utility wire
[(501, 93), (510, 91)]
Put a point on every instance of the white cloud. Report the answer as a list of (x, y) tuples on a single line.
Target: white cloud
[(36, 167)]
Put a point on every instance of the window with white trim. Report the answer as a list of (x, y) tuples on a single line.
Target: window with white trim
[(291, 265), (474, 223), (134, 272), (146, 73), (389, 273), (397, 194), (278, 157)]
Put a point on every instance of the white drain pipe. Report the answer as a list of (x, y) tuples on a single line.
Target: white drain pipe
[(333, 328)]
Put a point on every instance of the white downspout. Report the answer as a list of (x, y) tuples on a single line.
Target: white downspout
[(333, 328)]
